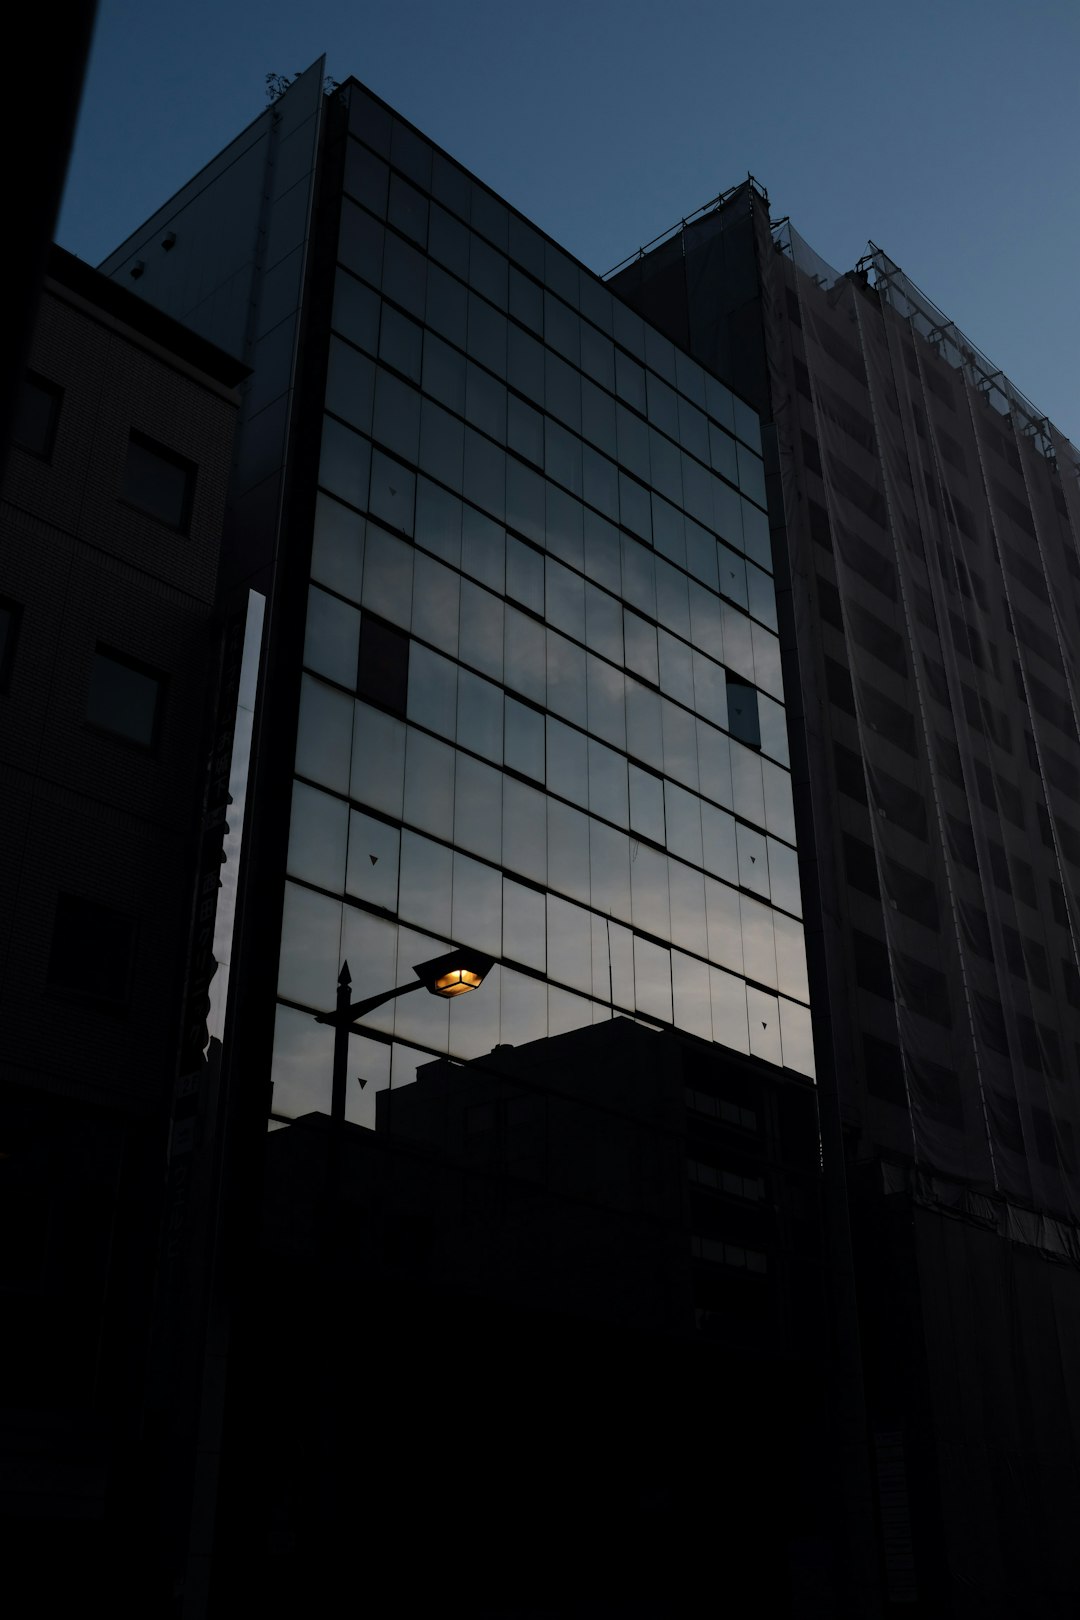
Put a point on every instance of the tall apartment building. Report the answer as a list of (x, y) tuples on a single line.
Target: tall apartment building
[(926, 523), (520, 691), (113, 502)]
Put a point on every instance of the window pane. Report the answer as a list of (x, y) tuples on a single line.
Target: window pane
[(383, 667), (310, 946), (332, 638), (378, 760), (524, 925), (763, 1013), (426, 887), (524, 739), (569, 936), (158, 481), (429, 784), (729, 1010), (372, 873), (324, 734), (477, 906), (123, 699), (337, 555), (36, 416), (652, 979), (317, 835)]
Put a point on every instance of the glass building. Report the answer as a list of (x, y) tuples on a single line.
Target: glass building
[(541, 708)]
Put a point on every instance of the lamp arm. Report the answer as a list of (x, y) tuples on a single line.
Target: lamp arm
[(348, 1015)]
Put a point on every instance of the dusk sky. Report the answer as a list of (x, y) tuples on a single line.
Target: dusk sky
[(947, 133)]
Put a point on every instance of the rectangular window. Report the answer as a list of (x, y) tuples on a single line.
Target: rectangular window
[(37, 415), (382, 674), (743, 721), (91, 951), (124, 698), (159, 482), (10, 615)]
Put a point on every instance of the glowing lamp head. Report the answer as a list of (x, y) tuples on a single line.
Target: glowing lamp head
[(455, 973), (457, 982)]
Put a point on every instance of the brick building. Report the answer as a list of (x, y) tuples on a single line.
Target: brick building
[(113, 504)]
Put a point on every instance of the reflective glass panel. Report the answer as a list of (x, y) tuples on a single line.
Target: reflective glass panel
[(763, 1014), (373, 861), (318, 829)]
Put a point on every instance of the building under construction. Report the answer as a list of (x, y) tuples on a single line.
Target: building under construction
[(925, 524)]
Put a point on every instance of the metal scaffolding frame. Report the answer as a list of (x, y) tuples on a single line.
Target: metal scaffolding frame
[(897, 289)]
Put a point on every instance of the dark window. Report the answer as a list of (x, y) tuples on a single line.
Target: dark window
[(838, 685), (158, 481), (1010, 800), (743, 720), (91, 951), (899, 802), (872, 969), (937, 380), (10, 616), (1014, 954), (924, 608), (999, 867), (860, 865), (124, 698), (37, 415), (850, 777), (1026, 572), (856, 424), (877, 637), (1054, 1141), (1038, 970), (382, 674), (1072, 981), (884, 1069), (869, 561), (889, 718), (937, 1090), (948, 759), (951, 450), (829, 603), (855, 489), (976, 929), (962, 843), (1069, 839), (911, 894), (819, 524), (923, 989)]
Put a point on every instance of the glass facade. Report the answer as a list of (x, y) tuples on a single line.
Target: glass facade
[(542, 709)]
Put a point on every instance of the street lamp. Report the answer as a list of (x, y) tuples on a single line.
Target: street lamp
[(450, 975)]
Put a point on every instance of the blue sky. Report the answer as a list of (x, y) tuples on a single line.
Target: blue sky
[(946, 132)]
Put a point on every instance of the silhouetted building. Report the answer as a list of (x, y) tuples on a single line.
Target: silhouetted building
[(113, 503), (926, 523), (556, 1338)]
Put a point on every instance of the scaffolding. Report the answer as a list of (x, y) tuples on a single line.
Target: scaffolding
[(897, 289), (713, 206)]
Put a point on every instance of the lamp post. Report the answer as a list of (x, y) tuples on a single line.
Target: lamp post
[(450, 975)]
